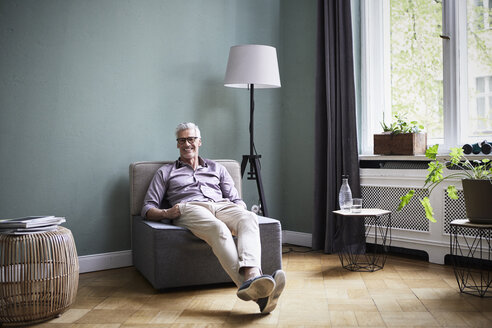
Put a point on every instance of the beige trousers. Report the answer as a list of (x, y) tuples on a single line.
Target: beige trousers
[(216, 223)]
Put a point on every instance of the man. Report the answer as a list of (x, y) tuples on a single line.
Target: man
[(204, 200)]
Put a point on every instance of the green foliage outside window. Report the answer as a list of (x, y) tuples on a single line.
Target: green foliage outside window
[(479, 36), (416, 63)]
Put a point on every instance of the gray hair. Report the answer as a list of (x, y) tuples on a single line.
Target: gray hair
[(188, 126)]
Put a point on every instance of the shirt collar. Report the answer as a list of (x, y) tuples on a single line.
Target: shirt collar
[(180, 164)]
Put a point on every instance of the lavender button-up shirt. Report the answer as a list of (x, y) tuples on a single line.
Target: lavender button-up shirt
[(179, 183)]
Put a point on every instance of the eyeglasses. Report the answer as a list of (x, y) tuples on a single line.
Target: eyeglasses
[(182, 141)]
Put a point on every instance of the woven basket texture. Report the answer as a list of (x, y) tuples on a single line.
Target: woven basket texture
[(39, 276)]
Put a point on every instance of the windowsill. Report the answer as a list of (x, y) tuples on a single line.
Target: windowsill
[(393, 158), (416, 157)]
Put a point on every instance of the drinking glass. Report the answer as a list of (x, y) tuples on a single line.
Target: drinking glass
[(356, 205)]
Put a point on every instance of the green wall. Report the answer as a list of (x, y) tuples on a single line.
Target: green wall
[(298, 63), (88, 87)]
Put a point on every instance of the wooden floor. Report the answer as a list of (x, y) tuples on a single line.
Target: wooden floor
[(319, 293)]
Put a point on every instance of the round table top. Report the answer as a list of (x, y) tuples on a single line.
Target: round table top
[(363, 212), (468, 224)]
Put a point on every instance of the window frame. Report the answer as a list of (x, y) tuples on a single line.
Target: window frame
[(375, 34)]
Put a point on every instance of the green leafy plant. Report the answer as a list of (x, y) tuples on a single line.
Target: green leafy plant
[(466, 169), (401, 126)]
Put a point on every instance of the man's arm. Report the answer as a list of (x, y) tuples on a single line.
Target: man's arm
[(153, 198)]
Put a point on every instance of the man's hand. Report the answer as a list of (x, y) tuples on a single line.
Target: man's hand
[(155, 214), (172, 213)]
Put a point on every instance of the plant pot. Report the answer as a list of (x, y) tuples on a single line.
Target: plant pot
[(400, 144), (478, 200)]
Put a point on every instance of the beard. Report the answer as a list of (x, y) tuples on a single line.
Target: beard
[(188, 154)]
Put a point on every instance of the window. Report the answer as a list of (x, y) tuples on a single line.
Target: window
[(430, 61), (479, 14), (479, 35), (482, 116), (416, 63)]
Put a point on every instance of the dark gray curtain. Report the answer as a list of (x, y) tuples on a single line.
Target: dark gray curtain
[(335, 129)]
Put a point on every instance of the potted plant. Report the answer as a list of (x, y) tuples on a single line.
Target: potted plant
[(476, 178), (400, 138)]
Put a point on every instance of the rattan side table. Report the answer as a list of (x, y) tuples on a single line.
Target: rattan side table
[(39, 275), (378, 227)]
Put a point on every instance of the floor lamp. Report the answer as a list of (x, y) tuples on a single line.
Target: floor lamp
[(253, 66)]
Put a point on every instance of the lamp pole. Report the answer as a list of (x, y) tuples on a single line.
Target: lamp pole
[(253, 66), (254, 159), (251, 118)]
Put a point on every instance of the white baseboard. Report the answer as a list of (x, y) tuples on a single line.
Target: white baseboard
[(105, 261), (297, 238), (114, 260)]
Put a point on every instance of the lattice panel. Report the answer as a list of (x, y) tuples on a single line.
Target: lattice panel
[(412, 165), (412, 217), (454, 209)]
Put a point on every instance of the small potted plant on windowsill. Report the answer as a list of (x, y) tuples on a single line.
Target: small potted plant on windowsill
[(476, 180), (400, 138)]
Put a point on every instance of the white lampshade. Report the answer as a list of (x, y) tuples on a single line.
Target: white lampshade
[(252, 64)]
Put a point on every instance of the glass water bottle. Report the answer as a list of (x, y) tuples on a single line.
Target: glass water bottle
[(345, 195)]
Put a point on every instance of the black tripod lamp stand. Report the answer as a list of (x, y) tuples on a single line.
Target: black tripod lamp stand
[(253, 67)]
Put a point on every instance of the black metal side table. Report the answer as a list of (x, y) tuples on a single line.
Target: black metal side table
[(378, 229), (471, 255)]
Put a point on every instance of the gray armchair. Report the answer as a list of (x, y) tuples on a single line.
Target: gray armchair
[(170, 256)]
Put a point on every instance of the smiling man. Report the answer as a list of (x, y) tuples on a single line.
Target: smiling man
[(204, 200)]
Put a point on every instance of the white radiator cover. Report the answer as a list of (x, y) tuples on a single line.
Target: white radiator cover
[(382, 188)]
